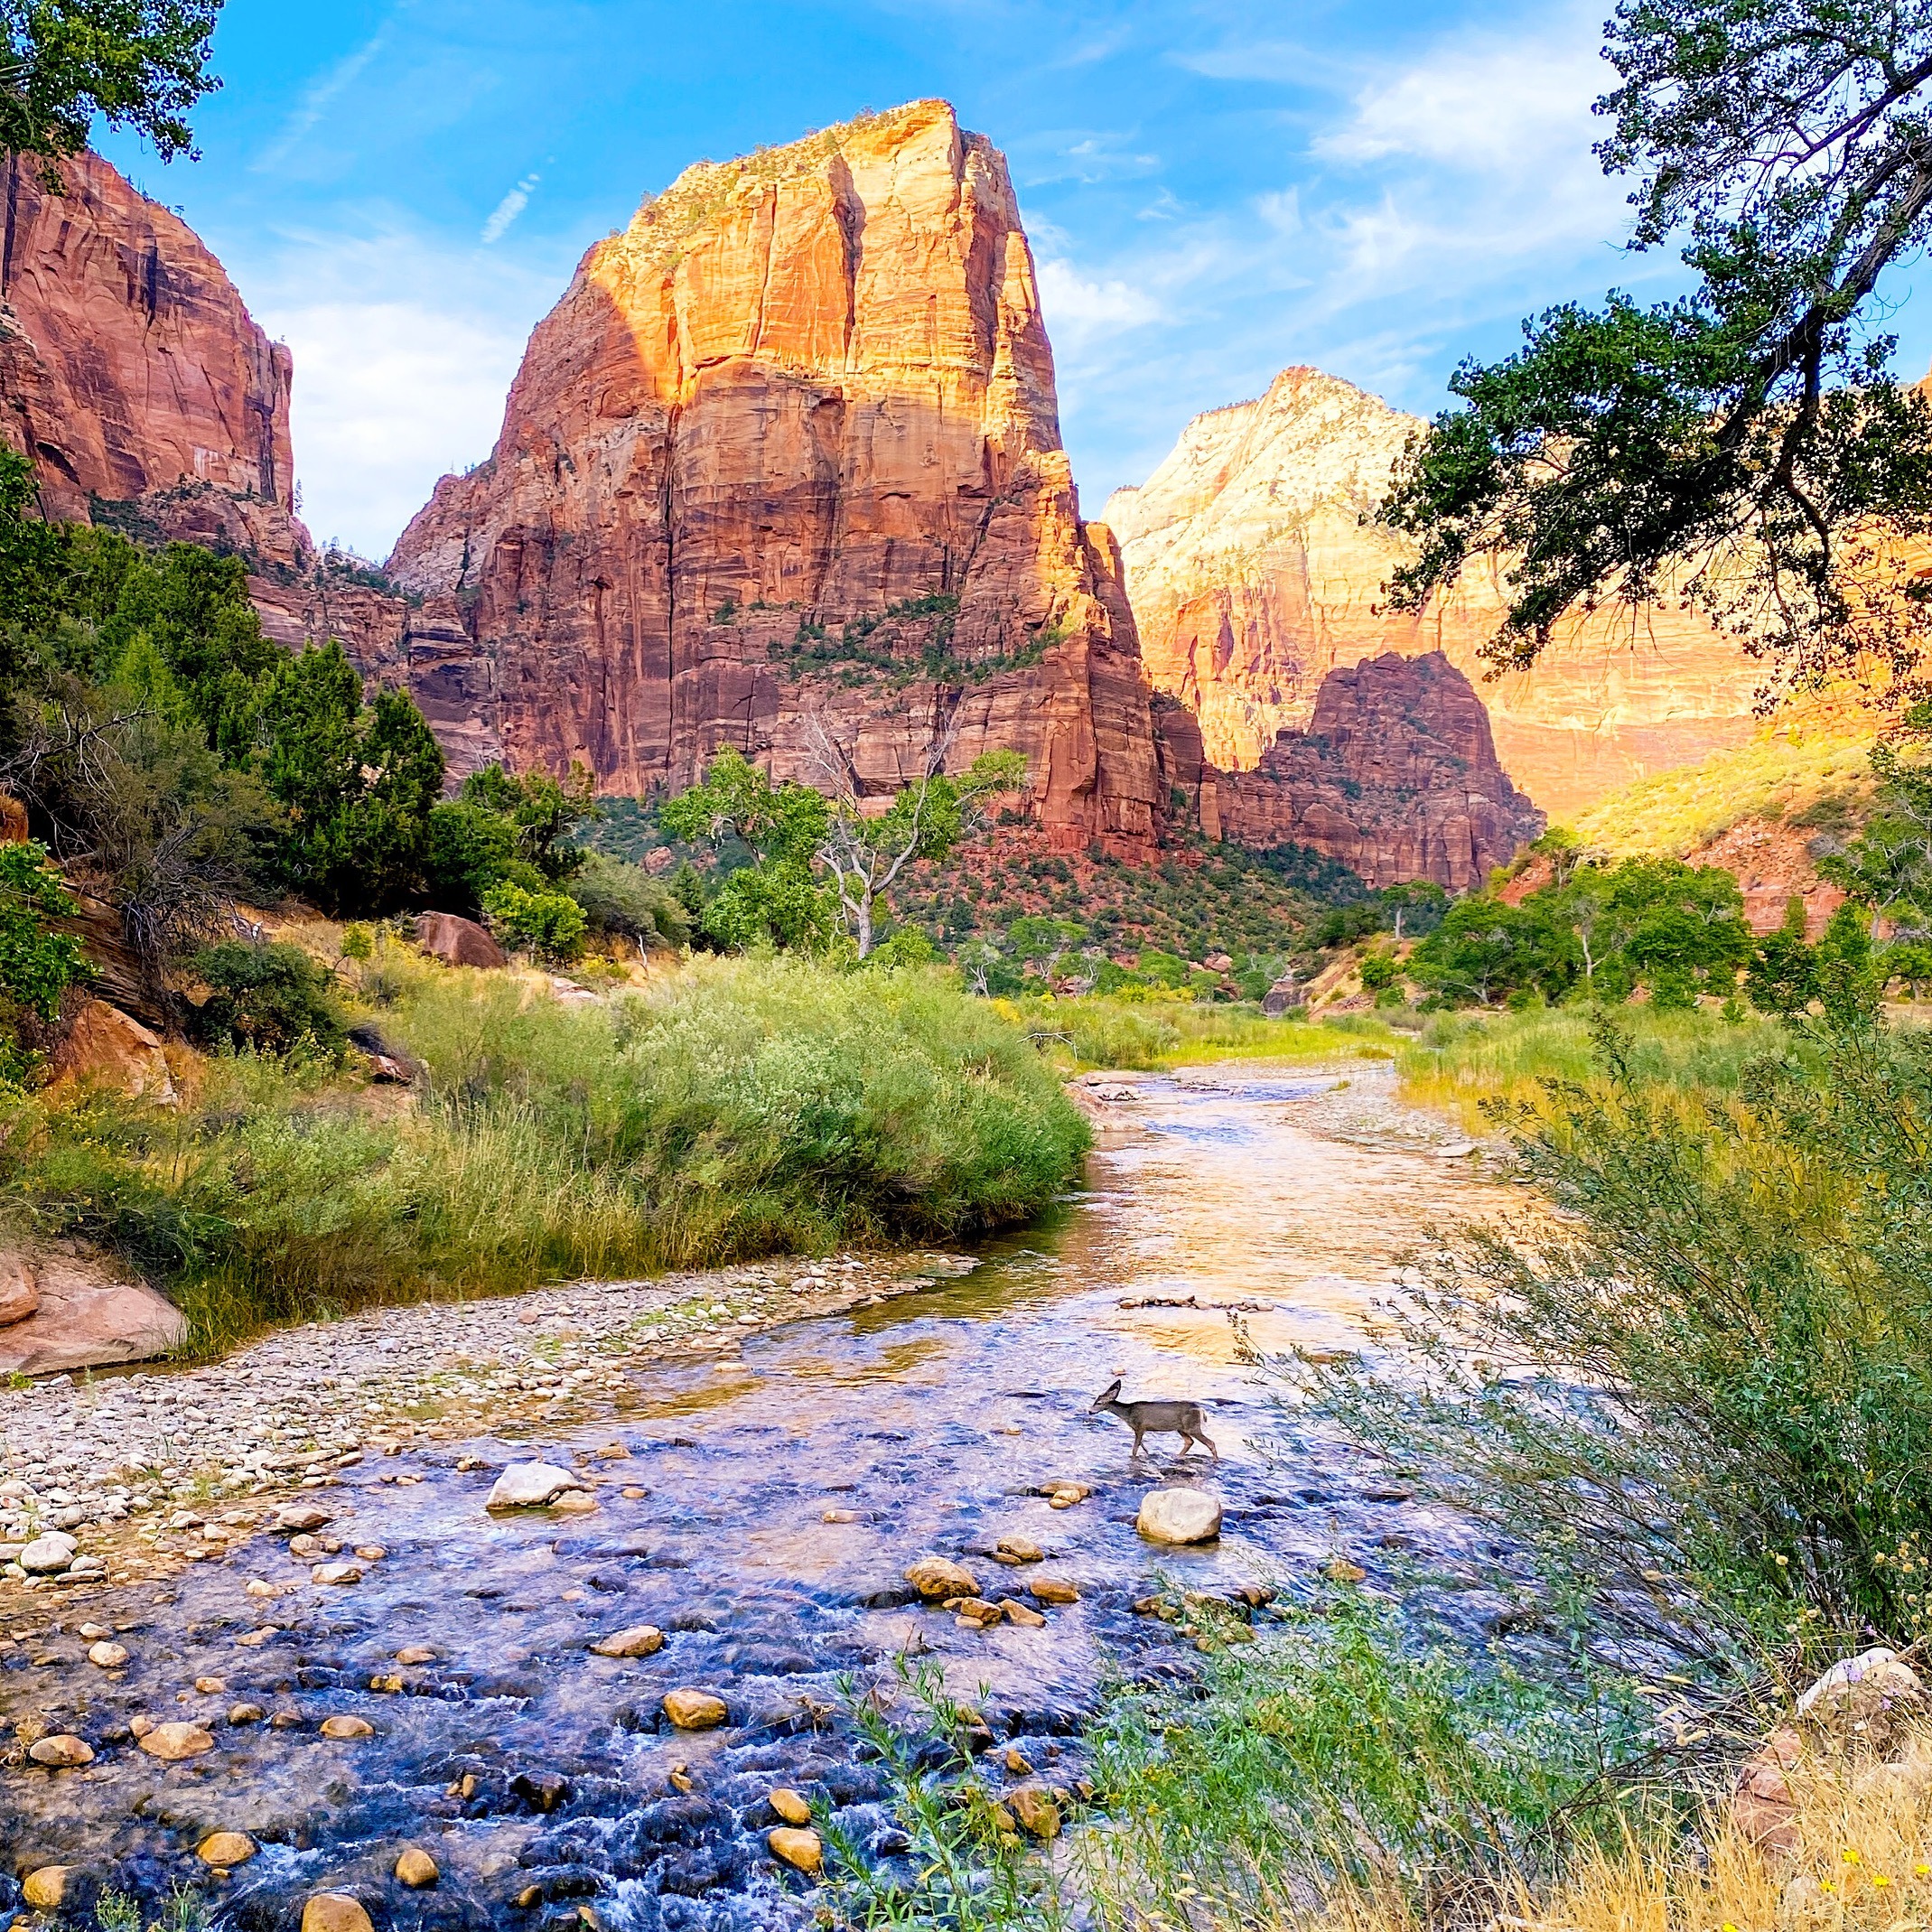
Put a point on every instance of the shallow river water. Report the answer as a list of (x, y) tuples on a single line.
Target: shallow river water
[(929, 1422)]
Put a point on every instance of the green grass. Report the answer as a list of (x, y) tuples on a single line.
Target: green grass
[(1461, 1061), (738, 1107), (1097, 1031)]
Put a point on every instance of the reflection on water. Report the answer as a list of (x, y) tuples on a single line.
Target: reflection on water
[(932, 1422)]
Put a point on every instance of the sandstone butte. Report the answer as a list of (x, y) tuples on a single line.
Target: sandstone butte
[(804, 402), (1253, 576), (781, 471)]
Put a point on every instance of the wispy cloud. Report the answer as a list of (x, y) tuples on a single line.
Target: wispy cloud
[(507, 210), (1079, 309), (320, 95)]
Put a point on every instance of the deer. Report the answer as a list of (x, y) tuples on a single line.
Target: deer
[(1159, 1418)]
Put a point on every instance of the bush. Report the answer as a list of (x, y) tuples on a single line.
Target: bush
[(1713, 1374), (550, 925), (37, 964), (269, 998), (625, 900)]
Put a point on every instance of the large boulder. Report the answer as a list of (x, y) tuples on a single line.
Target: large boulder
[(110, 1051), (457, 941), (1179, 1516), (87, 1318)]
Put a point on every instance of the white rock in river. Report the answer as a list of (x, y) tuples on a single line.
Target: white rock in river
[(1179, 1516), (532, 1486)]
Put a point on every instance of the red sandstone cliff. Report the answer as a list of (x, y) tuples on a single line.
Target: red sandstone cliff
[(134, 376), (1253, 575), (1396, 776), (784, 466)]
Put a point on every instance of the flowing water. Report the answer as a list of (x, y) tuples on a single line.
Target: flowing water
[(535, 1772)]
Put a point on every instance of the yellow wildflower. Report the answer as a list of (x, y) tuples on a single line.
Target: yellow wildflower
[(1879, 1878), (1850, 1856)]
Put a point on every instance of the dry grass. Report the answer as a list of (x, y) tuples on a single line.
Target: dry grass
[(1863, 1863)]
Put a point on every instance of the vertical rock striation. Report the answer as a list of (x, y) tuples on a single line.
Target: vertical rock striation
[(782, 470), (1254, 574)]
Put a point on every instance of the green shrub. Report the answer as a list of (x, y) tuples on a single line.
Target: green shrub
[(270, 998), (621, 898), (550, 925), (37, 964)]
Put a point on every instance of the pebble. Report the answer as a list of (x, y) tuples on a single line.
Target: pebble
[(226, 1849), (416, 1653), (62, 1753), (209, 1686), (642, 1639), (1034, 1807), (172, 1742), (801, 1849), (343, 1728), (416, 1869), (935, 1578), (695, 1710), (335, 1911), (302, 1517), (343, 1573), (49, 1554), (791, 1805), (1179, 1516), (246, 1714), (107, 1655)]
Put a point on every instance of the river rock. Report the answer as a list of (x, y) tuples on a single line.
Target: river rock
[(172, 1742), (1034, 1807), (45, 1889), (20, 1293), (416, 1653), (88, 1318), (246, 1714), (108, 1656), (976, 1611), (340, 1574), (1053, 1590), (226, 1849), (801, 1849), (1179, 1516), (695, 1710), (335, 1911), (49, 1554), (416, 1869), (1024, 1614), (642, 1639), (343, 1730), (1018, 1550), (531, 1486), (793, 1806), (302, 1518), (935, 1578), (62, 1753)]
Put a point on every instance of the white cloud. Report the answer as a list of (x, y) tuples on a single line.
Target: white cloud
[(403, 354), (1078, 310), (319, 97), (1281, 212), (507, 210)]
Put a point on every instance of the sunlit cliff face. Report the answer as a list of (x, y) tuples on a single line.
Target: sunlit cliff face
[(799, 390), (1255, 567)]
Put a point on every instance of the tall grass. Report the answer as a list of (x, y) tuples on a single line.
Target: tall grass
[(1462, 1062), (1096, 1030), (734, 1108)]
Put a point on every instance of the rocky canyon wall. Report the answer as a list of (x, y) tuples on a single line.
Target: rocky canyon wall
[(782, 470), (1253, 575), (1396, 776)]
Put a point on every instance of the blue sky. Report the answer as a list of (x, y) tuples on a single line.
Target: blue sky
[(1214, 191)]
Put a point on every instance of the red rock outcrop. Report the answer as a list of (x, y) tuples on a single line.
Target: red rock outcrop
[(782, 470), (1396, 776), (1253, 575)]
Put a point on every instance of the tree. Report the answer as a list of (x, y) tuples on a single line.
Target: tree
[(865, 853), (541, 811), (1485, 950), (139, 64), (37, 964), (1889, 866), (1745, 445)]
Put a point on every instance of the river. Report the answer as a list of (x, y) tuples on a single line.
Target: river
[(761, 1510)]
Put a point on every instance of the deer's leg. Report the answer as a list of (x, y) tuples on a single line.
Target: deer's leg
[(1137, 1449)]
